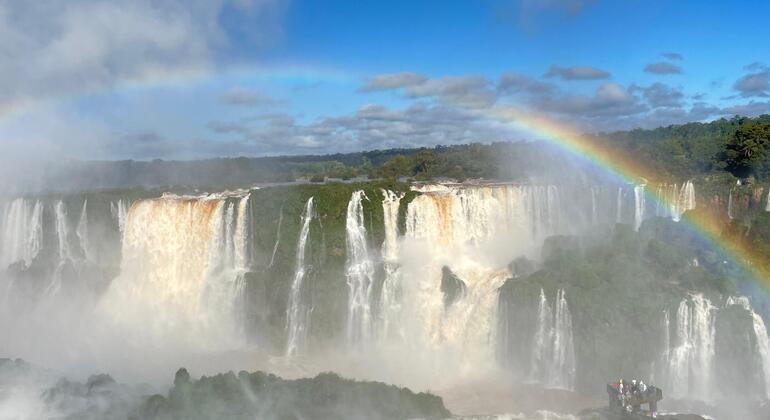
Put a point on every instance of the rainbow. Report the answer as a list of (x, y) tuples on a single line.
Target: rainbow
[(708, 226), (612, 160)]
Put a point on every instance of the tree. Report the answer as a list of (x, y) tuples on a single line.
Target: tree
[(747, 148), (397, 166)]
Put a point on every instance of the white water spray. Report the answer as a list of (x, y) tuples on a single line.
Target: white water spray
[(391, 287), (297, 313), (359, 273), (553, 353)]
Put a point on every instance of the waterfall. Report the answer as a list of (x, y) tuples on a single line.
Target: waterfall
[(661, 196), (359, 273), (82, 232), (62, 231), (391, 288), (541, 341), (474, 232), (119, 212), (22, 232), (680, 199), (639, 204), (730, 205), (277, 239), (760, 335), (763, 347), (553, 354), (297, 313), (619, 206), (241, 243), (180, 280), (691, 361)]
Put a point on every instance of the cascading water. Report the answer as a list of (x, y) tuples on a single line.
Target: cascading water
[(178, 274), (680, 198), (619, 206), (82, 232), (473, 233), (594, 205), (639, 205), (359, 273), (119, 212), (691, 360), (760, 335), (763, 347), (66, 255), (277, 239), (391, 287), (298, 313), (553, 353), (22, 229), (730, 205)]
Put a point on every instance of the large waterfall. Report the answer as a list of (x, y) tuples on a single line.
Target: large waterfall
[(553, 353), (391, 285), (471, 233), (181, 272), (298, 313), (359, 273), (22, 231), (691, 359), (762, 341), (411, 277)]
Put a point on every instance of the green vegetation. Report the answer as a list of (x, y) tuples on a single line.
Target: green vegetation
[(746, 150), (266, 396), (618, 290), (256, 395), (735, 146), (276, 222)]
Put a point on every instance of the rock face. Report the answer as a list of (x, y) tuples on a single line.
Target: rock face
[(606, 414)]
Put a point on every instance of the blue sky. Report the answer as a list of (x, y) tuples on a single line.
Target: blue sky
[(188, 79)]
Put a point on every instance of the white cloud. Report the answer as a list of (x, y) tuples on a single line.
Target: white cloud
[(392, 81), (52, 48), (577, 73)]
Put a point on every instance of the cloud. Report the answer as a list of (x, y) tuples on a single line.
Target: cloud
[(370, 127), (750, 109), (246, 97), (661, 95), (610, 99), (470, 91), (513, 83), (53, 48), (756, 83), (672, 56), (392, 81), (577, 73), (662, 67)]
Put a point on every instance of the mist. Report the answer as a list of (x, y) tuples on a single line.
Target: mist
[(535, 209), (442, 288)]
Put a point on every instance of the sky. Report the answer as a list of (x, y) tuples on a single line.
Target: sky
[(188, 79)]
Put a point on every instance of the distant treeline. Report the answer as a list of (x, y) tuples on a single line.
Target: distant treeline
[(738, 146), (508, 161)]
